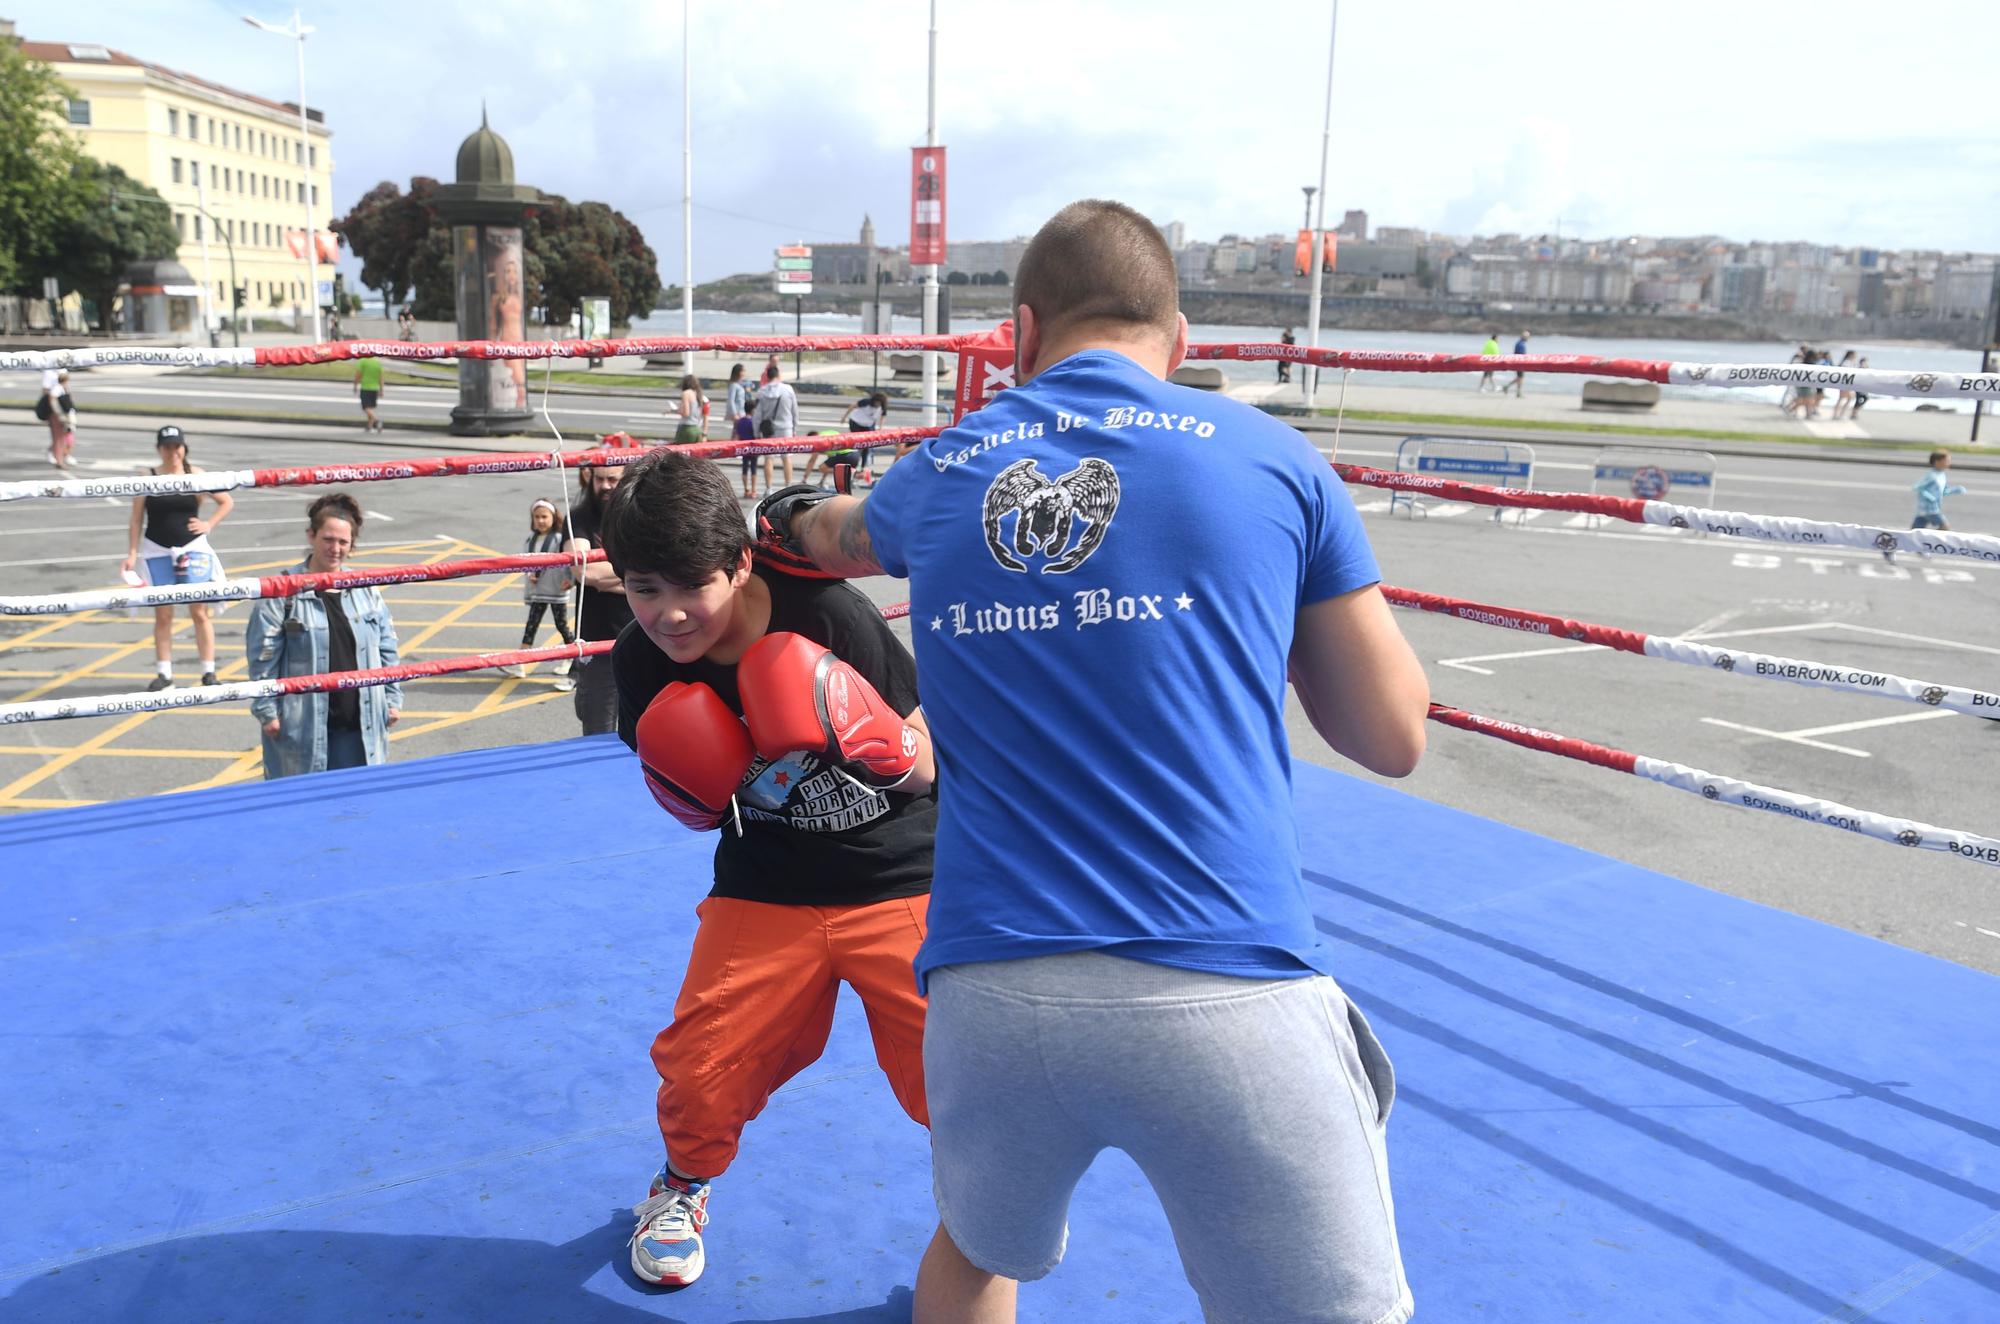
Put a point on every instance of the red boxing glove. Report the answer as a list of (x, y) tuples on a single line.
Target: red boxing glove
[(695, 752), (798, 696)]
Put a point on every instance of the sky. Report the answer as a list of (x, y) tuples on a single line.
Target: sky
[(1841, 123)]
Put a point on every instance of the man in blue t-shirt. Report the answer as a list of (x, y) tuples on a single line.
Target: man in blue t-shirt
[(1110, 579)]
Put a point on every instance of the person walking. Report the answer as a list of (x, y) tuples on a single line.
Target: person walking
[(318, 633), (1843, 404), (368, 384), (168, 536), (1118, 958), (693, 423), (777, 415), (1285, 365), (1490, 350), (1520, 378), (55, 408)]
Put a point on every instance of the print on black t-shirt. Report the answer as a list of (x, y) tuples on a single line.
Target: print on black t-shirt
[(812, 836)]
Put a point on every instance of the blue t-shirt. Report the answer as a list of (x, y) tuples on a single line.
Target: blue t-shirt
[(1105, 571)]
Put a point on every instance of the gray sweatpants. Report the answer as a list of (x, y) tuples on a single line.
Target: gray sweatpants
[(1255, 1107)]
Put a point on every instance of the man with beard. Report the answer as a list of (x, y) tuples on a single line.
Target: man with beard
[(605, 611)]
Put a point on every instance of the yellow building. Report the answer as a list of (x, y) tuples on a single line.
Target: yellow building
[(209, 149)]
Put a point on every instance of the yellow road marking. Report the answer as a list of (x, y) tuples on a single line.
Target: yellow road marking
[(69, 756), (122, 753), (402, 733)]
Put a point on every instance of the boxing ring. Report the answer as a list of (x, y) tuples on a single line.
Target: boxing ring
[(384, 1056)]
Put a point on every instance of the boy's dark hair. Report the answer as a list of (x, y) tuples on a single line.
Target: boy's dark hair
[(1101, 262), (675, 516), (1939, 455)]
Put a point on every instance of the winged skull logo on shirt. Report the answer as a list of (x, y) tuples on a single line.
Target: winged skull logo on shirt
[(1045, 513)]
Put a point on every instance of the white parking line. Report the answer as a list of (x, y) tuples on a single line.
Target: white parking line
[(1975, 928), (1460, 662), (1839, 727), (1788, 736), (1913, 638)]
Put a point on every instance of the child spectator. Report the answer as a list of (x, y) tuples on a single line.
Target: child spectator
[(548, 589)]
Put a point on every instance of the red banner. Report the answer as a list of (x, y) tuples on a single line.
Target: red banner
[(926, 206)]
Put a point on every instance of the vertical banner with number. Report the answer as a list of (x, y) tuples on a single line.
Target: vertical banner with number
[(926, 206)]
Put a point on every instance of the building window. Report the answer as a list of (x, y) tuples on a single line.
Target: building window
[(239, 137), (194, 125), (214, 175), (79, 112), (180, 224), (197, 226), (239, 181), (177, 170), (288, 190), (312, 157), (315, 195), (173, 123)]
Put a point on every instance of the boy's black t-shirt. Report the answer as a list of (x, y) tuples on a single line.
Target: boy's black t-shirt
[(810, 836)]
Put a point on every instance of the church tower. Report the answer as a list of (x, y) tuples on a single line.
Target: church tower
[(868, 232)]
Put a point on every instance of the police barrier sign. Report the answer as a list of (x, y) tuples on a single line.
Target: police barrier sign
[(1651, 474), (1498, 463)]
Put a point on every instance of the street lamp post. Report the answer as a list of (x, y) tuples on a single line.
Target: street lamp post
[(298, 31)]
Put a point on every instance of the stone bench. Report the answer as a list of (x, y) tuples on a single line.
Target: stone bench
[(1201, 376), (1622, 397), (912, 365)]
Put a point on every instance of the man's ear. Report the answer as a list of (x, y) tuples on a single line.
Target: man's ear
[(741, 575), (1027, 342)]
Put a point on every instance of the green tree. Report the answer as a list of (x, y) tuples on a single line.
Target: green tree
[(121, 222), (388, 229), (575, 250), (38, 188), (570, 251)]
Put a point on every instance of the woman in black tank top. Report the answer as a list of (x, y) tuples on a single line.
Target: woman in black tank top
[(168, 529)]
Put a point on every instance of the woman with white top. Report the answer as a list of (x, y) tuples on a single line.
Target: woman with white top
[(169, 538)]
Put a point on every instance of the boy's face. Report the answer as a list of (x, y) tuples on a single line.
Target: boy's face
[(1942, 462), (685, 621)]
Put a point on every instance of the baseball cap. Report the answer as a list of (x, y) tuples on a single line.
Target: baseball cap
[(167, 434)]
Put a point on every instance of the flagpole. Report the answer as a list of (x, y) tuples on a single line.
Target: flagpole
[(1311, 373)]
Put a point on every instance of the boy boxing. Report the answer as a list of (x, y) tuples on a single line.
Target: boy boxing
[(784, 711)]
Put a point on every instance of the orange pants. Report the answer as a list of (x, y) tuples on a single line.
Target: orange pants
[(757, 1006)]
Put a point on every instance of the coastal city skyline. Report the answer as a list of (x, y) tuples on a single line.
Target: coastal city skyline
[(1633, 150)]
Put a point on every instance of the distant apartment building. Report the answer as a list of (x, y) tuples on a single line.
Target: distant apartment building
[(985, 257), (1801, 289), (1526, 280), (1962, 289), (1738, 288), (1175, 233), (1354, 225), (1400, 236), (202, 145)]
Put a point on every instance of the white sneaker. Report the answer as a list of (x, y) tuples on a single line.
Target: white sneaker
[(514, 669), (666, 1246), (562, 667), (564, 685)]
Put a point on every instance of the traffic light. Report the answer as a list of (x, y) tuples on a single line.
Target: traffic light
[(238, 297)]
